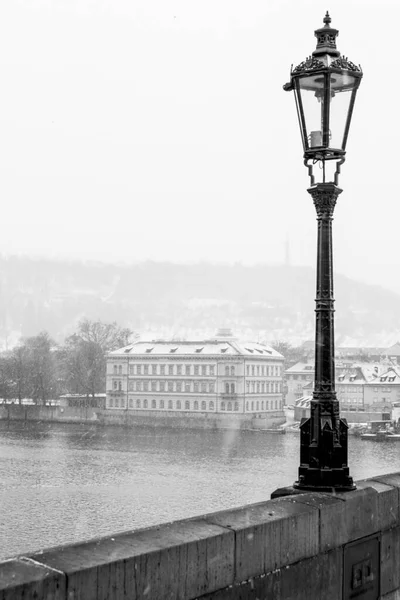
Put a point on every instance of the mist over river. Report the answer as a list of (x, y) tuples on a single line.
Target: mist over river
[(66, 483)]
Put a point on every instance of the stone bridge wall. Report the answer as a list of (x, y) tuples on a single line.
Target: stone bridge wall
[(309, 546)]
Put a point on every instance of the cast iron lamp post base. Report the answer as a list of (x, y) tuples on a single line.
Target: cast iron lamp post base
[(323, 436)]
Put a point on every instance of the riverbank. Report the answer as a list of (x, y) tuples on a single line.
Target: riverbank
[(148, 418)]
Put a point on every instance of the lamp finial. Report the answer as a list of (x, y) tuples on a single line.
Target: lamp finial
[(327, 19)]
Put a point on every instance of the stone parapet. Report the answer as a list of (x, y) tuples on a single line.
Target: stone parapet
[(305, 546)]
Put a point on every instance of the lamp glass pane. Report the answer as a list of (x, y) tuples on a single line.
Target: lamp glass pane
[(342, 87), (311, 89)]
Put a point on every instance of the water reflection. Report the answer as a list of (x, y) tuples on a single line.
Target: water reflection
[(61, 484)]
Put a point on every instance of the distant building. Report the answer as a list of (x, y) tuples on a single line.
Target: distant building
[(83, 400), (219, 375), (392, 353), (296, 377), (383, 391)]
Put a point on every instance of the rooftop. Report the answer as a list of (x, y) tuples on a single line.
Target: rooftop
[(220, 347)]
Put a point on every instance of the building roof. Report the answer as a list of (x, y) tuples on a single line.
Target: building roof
[(392, 350), (214, 347), (386, 378), (301, 367)]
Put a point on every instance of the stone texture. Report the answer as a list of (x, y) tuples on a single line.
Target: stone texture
[(270, 535), (390, 560), (319, 577), (180, 560), (391, 596), (22, 578), (388, 502)]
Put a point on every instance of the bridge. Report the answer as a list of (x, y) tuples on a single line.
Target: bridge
[(311, 546)]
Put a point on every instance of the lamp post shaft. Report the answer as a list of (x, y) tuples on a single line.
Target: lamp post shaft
[(323, 444)]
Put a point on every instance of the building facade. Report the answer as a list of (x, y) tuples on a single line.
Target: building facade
[(220, 375)]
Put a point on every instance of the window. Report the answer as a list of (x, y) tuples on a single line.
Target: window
[(146, 386), (187, 405), (227, 388), (204, 370), (154, 369), (138, 369), (170, 369), (222, 405), (187, 369), (236, 406), (178, 404), (252, 371), (262, 404), (179, 386), (138, 403), (252, 387), (131, 386), (154, 386), (116, 403), (131, 371), (232, 388), (162, 369), (252, 405), (146, 369), (229, 407), (211, 387), (257, 405), (258, 387), (258, 370), (111, 402), (203, 405), (247, 370), (170, 386), (161, 403), (122, 403), (196, 405), (226, 371), (170, 404), (187, 386), (115, 369), (162, 386), (144, 403), (211, 405), (263, 370), (232, 371), (179, 369), (247, 406), (153, 404), (267, 405), (115, 385), (196, 385), (119, 386), (211, 370), (138, 386), (196, 369), (120, 370), (204, 387)]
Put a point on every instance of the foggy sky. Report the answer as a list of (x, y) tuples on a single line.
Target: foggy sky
[(136, 129)]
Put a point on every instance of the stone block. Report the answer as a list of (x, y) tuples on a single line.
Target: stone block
[(180, 560), (22, 578), (355, 518), (270, 535), (391, 596), (319, 577), (388, 502), (390, 560)]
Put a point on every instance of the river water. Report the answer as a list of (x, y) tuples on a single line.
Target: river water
[(65, 483)]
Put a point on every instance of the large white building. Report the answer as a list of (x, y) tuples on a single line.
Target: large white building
[(219, 375)]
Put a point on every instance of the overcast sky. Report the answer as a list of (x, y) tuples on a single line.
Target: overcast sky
[(136, 129)]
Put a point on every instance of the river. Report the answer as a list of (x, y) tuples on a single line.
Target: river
[(65, 483)]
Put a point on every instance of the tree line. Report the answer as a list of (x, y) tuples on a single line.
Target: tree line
[(39, 369)]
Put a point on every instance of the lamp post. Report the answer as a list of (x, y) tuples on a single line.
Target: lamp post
[(325, 87)]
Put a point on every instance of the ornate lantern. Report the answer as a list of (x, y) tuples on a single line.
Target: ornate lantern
[(325, 87)]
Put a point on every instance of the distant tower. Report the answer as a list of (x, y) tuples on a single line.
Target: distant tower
[(287, 252)]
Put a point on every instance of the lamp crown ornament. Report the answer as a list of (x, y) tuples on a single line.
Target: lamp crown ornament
[(326, 39)]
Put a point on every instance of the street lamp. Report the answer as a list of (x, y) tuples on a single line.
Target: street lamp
[(325, 86)]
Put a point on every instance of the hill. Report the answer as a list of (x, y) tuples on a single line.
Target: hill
[(266, 302)]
